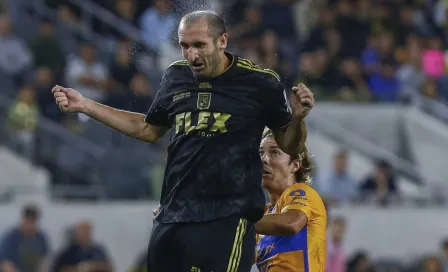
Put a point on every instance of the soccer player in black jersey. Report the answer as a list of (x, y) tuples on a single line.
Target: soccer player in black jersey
[(216, 105)]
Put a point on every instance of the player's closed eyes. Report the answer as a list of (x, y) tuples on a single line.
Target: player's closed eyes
[(199, 45)]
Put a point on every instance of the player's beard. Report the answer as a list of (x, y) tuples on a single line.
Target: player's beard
[(212, 63)]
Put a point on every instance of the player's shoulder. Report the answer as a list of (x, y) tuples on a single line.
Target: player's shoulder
[(178, 63), (179, 67), (302, 190), (263, 75)]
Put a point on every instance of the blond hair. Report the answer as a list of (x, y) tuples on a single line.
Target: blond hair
[(303, 175)]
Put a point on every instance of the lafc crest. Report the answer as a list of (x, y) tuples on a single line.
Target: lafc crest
[(204, 100)]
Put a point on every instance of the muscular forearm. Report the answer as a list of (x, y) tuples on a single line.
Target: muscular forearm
[(276, 224), (292, 139), (130, 123)]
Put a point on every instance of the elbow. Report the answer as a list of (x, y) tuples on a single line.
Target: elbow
[(143, 132), (292, 228), (145, 137)]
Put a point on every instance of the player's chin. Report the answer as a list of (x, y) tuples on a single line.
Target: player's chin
[(200, 72), (266, 180)]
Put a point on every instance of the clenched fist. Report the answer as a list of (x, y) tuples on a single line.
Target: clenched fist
[(68, 100), (302, 101)]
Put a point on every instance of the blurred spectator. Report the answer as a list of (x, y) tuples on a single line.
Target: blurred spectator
[(270, 55), (433, 58), (381, 187), (432, 264), (380, 64), (278, 16), (406, 25), (444, 255), (316, 38), (141, 95), (316, 71), (46, 48), (360, 262), (126, 10), (440, 13), (137, 96), (352, 82), (306, 15), (158, 24), (337, 186), (86, 74), (15, 57), (3, 6), (410, 75), (25, 247), (430, 89), (336, 259), (353, 31), (23, 116), (247, 32), (44, 82), (67, 16), (82, 254), (122, 68)]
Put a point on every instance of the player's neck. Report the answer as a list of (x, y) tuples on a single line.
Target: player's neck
[(275, 194), (224, 64), (273, 198)]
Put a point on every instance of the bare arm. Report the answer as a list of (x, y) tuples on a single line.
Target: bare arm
[(292, 139), (282, 224), (130, 123)]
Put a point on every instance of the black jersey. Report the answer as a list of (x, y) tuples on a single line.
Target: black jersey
[(213, 168)]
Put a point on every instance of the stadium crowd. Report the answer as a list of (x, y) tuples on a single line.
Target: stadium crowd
[(364, 51)]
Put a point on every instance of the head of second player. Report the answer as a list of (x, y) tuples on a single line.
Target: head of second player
[(203, 39), (281, 170)]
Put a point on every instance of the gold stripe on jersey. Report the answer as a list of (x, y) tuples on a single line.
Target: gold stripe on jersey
[(235, 256), (179, 62), (244, 64), (240, 247), (248, 62)]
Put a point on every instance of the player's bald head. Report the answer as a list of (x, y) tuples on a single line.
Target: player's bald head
[(216, 25)]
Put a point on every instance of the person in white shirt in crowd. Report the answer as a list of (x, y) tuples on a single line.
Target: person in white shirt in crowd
[(15, 57), (337, 186), (86, 74), (157, 24)]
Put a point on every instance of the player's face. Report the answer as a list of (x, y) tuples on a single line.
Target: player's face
[(278, 170), (200, 48)]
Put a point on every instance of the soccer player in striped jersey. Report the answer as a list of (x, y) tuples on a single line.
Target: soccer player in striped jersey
[(291, 234)]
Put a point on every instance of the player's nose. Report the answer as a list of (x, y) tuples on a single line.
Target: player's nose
[(265, 159), (192, 55)]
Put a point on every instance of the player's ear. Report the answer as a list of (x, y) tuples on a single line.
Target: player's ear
[(223, 41), (295, 166)]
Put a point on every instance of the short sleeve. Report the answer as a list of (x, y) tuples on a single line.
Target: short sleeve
[(158, 113), (297, 199), (278, 113)]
